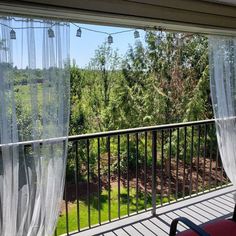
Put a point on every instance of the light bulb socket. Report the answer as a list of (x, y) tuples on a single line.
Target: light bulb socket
[(12, 34), (79, 33)]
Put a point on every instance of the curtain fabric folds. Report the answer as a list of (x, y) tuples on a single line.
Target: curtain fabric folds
[(222, 58), (34, 105)]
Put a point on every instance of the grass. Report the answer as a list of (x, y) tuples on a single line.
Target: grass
[(83, 208)]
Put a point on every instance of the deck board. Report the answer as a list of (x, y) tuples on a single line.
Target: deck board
[(218, 204), (143, 230)]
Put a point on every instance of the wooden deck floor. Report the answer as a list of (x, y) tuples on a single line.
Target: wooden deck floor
[(200, 209)]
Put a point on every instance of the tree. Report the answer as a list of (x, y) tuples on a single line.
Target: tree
[(78, 114), (104, 68)]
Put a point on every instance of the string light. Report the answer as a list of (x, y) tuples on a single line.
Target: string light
[(110, 39), (79, 32), (12, 34), (110, 35), (51, 33)]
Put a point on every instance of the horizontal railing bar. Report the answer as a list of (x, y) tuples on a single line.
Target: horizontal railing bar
[(109, 133), (139, 129), (39, 141)]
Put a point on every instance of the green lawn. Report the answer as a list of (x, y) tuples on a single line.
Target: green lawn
[(83, 208)]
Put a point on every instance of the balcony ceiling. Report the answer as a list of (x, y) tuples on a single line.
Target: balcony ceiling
[(226, 2), (206, 16)]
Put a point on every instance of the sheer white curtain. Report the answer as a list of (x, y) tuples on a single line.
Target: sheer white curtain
[(34, 105), (222, 58)]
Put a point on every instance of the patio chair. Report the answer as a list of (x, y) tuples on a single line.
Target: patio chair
[(217, 228)]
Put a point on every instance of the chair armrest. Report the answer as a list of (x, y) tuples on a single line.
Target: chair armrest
[(189, 223), (234, 214)]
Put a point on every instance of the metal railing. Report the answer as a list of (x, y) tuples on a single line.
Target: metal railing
[(118, 173)]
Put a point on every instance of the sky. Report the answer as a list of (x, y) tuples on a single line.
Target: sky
[(82, 49)]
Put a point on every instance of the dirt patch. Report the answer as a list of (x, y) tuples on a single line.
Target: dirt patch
[(175, 178)]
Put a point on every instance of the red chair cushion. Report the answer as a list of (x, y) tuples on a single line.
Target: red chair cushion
[(218, 228)]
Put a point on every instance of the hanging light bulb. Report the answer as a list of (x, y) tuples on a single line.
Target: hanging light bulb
[(110, 39), (12, 34), (51, 33), (136, 34), (159, 39), (78, 33), (179, 42), (146, 36)]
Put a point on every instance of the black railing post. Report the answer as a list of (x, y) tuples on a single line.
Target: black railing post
[(154, 171)]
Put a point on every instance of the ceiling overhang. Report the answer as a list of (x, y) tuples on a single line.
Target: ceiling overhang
[(177, 15)]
